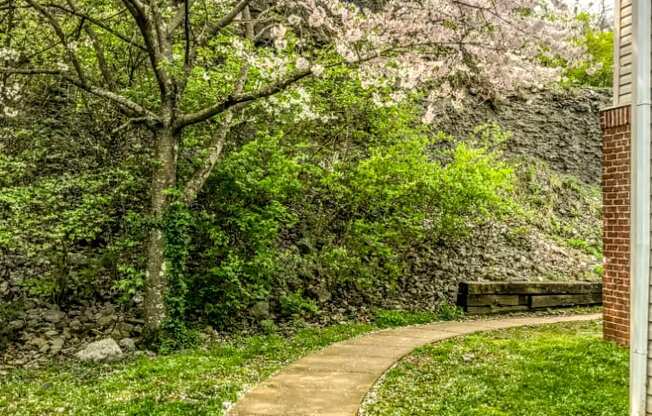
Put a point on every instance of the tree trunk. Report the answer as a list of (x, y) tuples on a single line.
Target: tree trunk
[(163, 178)]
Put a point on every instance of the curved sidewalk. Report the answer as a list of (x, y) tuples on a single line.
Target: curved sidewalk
[(334, 380)]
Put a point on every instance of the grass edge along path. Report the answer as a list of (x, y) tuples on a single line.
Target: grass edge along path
[(200, 381), (204, 380), (335, 380)]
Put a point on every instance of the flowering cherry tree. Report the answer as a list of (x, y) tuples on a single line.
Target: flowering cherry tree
[(171, 66)]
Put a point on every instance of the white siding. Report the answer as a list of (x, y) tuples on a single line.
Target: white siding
[(623, 53)]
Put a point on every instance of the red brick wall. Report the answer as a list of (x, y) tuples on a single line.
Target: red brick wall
[(615, 124)]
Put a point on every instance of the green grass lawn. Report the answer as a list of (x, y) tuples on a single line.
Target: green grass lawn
[(557, 370), (204, 380), (200, 381), (193, 382)]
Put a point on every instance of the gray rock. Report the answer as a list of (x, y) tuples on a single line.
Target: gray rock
[(122, 330), (127, 344), (103, 350), (54, 316), (106, 320), (56, 345), (467, 358), (4, 288), (17, 325), (38, 342), (51, 333)]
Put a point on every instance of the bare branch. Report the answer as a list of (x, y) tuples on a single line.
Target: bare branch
[(136, 5), (137, 109), (249, 25), (178, 18), (101, 58), (186, 30), (144, 23), (207, 35), (99, 50), (196, 183), (31, 71), (130, 122), (97, 23), (159, 29), (262, 32)]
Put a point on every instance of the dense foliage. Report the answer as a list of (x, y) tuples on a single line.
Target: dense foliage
[(293, 233), (300, 217), (248, 161)]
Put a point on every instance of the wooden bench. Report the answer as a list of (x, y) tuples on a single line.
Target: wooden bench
[(496, 297)]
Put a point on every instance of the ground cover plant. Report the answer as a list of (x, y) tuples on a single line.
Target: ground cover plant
[(556, 370)]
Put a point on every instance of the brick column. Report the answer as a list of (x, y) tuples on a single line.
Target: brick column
[(616, 180)]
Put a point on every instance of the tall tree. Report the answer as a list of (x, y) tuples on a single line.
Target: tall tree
[(171, 66)]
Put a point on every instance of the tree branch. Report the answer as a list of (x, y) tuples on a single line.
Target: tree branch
[(98, 48), (137, 109), (178, 18), (196, 183), (97, 23), (186, 31), (72, 57), (199, 178), (129, 123), (239, 98), (134, 108), (225, 21), (249, 24), (137, 11)]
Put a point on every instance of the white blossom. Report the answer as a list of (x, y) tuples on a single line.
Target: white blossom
[(317, 70), (303, 64)]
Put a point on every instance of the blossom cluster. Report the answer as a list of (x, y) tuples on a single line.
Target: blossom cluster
[(10, 92), (493, 46)]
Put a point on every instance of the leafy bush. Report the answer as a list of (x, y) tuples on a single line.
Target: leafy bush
[(296, 306), (63, 227), (276, 227)]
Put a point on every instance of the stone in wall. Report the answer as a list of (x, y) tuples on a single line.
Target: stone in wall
[(559, 127)]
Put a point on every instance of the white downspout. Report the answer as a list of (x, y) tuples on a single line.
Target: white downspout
[(640, 205)]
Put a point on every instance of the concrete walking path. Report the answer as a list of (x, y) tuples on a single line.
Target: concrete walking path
[(335, 380)]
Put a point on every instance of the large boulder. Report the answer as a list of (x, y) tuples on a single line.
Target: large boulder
[(103, 350)]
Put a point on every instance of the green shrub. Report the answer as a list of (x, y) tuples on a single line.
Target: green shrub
[(597, 70), (63, 229), (392, 318), (278, 228), (585, 246), (296, 306)]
